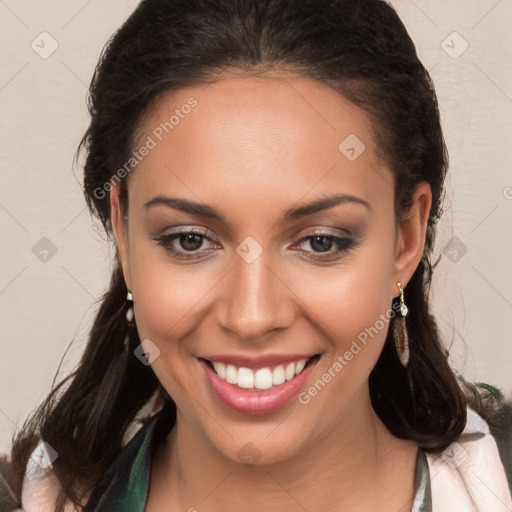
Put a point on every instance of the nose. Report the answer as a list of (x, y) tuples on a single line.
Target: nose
[(255, 300)]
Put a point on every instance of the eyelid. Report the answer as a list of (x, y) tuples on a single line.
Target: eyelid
[(346, 242), (197, 230), (312, 231), (327, 231), (342, 244), (166, 239)]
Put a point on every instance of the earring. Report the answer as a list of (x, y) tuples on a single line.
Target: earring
[(129, 320), (129, 311), (400, 332)]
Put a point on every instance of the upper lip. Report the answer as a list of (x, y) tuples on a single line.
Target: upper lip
[(257, 361)]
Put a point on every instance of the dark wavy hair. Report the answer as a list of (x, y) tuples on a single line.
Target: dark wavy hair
[(359, 48)]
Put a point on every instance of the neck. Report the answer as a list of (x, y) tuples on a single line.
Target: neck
[(346, 468)]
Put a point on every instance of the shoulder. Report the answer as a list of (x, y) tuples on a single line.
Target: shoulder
[(41, 486), (469, 475)]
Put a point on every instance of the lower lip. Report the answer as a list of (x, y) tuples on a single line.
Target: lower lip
[(252, 401)]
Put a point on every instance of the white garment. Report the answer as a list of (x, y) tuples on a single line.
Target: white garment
[(467, 477), (40, 487)]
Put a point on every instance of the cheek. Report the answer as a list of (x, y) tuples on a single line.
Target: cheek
[(168, 301), (166, 294), (351, 298), (351, 306), (353, 315)]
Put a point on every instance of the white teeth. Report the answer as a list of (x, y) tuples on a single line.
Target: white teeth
[(245, 378), (289, 373), (300, 366), (220, 368), (231, 374), (278, 375), (263, 378)]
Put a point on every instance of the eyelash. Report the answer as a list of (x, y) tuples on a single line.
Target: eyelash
[(344, 244)]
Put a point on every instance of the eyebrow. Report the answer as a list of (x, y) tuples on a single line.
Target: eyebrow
[(294, 213)]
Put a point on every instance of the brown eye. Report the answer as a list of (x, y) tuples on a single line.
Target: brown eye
[(190, 241), (327, 243), (184, 244), (322, 243)]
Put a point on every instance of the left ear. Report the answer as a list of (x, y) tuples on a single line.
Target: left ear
[(410, 242)]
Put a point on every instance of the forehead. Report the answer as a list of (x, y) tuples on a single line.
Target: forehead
[(261, 140)]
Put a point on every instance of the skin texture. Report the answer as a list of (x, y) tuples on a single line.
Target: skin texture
[(252, 148)]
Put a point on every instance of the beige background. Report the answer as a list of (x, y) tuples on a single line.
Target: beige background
[(46, 304)]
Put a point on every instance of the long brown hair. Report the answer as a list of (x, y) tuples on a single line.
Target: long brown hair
[(361, 49)]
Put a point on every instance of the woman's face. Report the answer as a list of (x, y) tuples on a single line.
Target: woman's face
[(268, 278)]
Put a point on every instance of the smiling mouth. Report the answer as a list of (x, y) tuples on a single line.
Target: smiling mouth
[(261, 378)]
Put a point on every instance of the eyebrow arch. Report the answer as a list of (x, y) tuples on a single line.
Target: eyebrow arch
[(294, 213)]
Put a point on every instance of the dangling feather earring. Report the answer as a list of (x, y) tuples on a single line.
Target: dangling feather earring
[(400, 331)]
